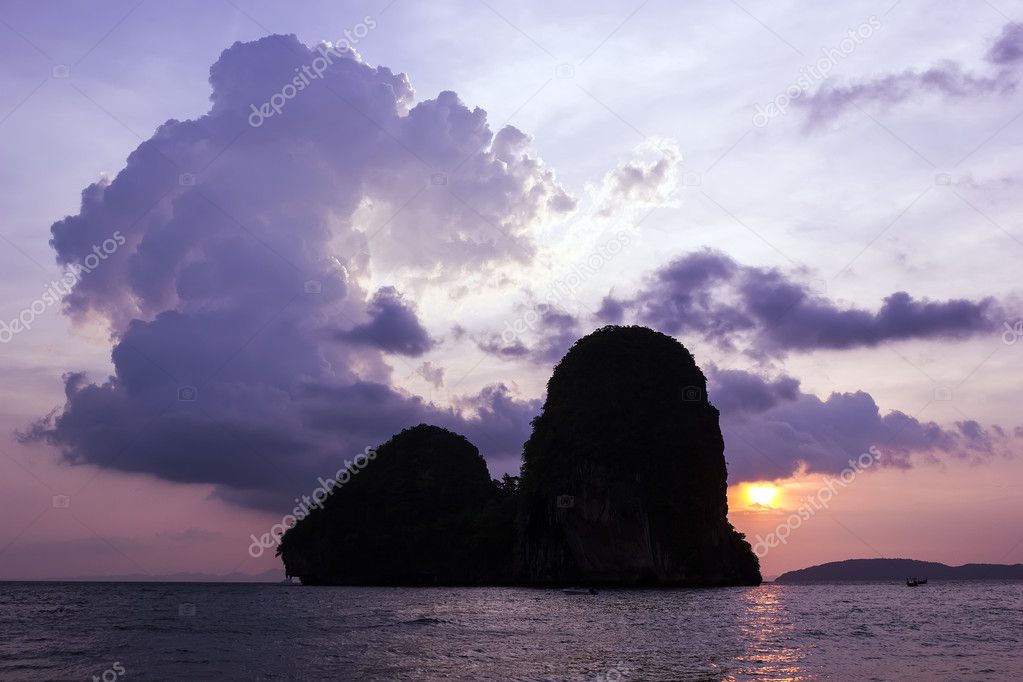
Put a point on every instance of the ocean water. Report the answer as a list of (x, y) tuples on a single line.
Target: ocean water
[(161, 631)]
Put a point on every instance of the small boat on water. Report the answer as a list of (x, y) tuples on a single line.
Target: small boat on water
[(289, 580), (913, 582), (579, 590)]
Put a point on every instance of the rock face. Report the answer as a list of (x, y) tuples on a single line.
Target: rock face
[(623, 483), (623, 479), (424, 511)]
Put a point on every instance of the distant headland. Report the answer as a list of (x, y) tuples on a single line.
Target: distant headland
[(623, 484), (853, 570)]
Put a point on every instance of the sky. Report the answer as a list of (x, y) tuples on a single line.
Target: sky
[(243, 241)]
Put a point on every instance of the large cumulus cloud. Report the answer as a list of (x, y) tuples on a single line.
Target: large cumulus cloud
[(247, 351)]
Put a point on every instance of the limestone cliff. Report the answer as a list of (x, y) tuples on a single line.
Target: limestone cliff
[(424, 511), (624, 479)]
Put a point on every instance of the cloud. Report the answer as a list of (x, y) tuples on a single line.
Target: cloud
[(558, 331), (228, 367), (947, 78), (737, 392), (495, 420), (773, 430), (393, 326), (435, 375), (709, 294), (611, 311), (641, 182), (500, 424), (1008, 49), (551, 331), (230, 370)]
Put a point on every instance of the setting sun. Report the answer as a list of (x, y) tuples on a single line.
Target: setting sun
[(762, 494)]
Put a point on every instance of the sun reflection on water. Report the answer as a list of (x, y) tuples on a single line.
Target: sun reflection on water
[(769, 633)]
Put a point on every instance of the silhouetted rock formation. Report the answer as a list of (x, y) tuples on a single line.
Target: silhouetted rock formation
[(897, 570), (623, 479), (623, 484), (424, 511)]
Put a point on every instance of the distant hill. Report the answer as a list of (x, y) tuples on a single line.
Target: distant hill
[(273, 575), (899, 569)]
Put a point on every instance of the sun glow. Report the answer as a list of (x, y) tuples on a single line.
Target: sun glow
[(762, 494)]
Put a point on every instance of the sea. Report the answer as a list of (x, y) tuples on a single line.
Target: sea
[(202, 631)]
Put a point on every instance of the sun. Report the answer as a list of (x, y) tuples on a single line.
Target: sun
[(762, 494)]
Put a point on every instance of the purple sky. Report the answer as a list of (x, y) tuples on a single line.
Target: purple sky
[(235, 255)]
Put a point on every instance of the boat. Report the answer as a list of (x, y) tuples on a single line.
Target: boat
[(579, 590), (289, 580), (913, 582)]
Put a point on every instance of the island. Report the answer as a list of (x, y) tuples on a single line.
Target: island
[(623, 483), (424, 511), (854, 570)]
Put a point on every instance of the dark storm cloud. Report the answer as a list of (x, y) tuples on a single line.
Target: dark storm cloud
[(394, 326), (737, 392), (708, 294), (246, 353), (772, 429)]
